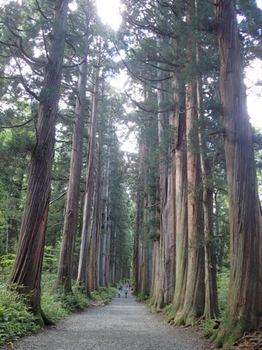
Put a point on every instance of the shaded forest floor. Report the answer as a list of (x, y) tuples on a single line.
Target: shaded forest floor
[(124, 324)]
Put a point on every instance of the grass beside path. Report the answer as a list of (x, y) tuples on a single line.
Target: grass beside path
[(16, 320)]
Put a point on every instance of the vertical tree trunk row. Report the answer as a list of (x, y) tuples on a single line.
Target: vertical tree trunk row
[(64, 278), (244, 212), (27, 269), (82, 277)]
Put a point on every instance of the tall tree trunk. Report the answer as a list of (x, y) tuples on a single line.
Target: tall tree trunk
[(181, 198), (260, 262), (104, 218), (27, 270), (164, 266), (94, 254), (72, 201), (89, 193), (211, 301), (92, 251), (241, 178), (113, 268), (195, 289), (138, 244), (108, 256)]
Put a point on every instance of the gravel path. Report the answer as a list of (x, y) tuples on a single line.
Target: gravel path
[(124, 324)]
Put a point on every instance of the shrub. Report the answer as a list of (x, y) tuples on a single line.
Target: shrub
[(169, 311), (51, 257), (6, 265), (104, 295), (15, 318), (56, 304), (140, 297), (222, 284)]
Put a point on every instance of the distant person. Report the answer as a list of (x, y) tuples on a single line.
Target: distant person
[(119, 291), (126, 287)]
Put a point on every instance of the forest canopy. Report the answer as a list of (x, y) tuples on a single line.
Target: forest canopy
[(179, 213)]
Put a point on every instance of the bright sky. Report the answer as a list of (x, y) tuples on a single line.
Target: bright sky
[(109, 12)]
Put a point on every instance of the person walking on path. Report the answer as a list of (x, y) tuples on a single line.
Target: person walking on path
[(126, 289)]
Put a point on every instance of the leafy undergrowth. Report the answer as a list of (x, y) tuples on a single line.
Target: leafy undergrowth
[(16, 320), (141, 297), (56, 305), (103, 295), (169, 312), (210, 327), (249, 341)]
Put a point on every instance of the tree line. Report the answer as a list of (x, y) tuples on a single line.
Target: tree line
[(193, 181), (76, 174), (196, 158)]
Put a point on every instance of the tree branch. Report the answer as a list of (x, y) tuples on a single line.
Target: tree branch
[(56, 199), (149, 110), (17, 125)]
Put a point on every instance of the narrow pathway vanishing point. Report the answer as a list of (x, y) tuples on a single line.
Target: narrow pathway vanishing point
[(122, 325)]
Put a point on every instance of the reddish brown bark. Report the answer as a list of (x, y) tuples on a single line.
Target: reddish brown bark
[(72, 201), (168, 229), (94, 252), (181, 200), (82, 277), (211, 301), (260, 262), (27, 269), (195, 289), (241, 177), (104, 221), (139, 221), (164, 266)]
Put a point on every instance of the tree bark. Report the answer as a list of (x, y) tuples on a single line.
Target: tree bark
[(181, 198), (64, 278), (211, 301), (27, 270), (104, 223), (241, 177), (195, 289), (140, 199), (94, 253), (89, 193)]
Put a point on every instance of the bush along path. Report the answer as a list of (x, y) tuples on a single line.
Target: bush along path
[(17, 321), (123, 324)]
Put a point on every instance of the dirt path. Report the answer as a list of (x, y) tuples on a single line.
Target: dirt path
[(122, 325)]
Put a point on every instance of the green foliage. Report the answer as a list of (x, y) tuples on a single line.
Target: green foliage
[(56, 305), (222, 285), (15, 318), (103, 295), (51, 257), (210, 327), (231, 331), (141, 297), (169, 311), (6, 264), (120, 210), (51, 303)]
